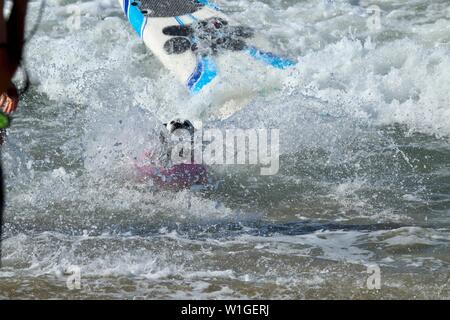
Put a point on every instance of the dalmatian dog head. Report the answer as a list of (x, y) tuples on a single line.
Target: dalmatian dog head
[(178, 131)]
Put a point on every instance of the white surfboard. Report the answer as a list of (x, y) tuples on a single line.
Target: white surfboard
[(188, 37)]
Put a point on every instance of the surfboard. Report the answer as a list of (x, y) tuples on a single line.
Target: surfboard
[(189, 36)]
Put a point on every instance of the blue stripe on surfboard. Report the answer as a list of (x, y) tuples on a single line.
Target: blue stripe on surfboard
[(269, 58), (203, 74), (180, 22), (136, 19), (126, 3), (143, 26)]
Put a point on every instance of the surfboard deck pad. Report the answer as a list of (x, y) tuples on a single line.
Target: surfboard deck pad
[(168, 8)]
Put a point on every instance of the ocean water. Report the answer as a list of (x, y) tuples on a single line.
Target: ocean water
[(364, 179)]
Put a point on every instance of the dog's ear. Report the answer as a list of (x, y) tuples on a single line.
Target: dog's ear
[(189, 126)]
